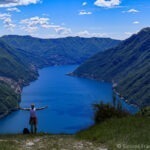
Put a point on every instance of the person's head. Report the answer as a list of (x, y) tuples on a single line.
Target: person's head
[(32, 106)]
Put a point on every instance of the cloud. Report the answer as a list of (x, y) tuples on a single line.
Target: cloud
[(107, 3), (129, 33), (48, 26), (131, 11), (12, 3), (136, 22), (86, 33), (84, 3), (13, 9), (29, 29), (83, 12), (63, 31), (34, 23), (7, 21), (4, 16), (83, 33)]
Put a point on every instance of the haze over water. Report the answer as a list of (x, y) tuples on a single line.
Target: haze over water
[(69, 101)]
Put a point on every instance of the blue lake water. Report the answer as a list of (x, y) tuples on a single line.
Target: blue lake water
[(69, 101)]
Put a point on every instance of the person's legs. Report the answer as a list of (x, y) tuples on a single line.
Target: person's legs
[(35, 128), (35, 125), (31, 128), (31, 124)]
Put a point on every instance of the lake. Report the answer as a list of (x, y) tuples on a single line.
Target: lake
[(69, 101)]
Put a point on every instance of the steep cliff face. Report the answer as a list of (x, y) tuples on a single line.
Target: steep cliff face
[(128, 65)]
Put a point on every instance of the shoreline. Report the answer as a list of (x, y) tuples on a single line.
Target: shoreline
[(8, 112), (125, 100), (114, 85), (4, 114), (68, 74), (17, 87), (113, 88)]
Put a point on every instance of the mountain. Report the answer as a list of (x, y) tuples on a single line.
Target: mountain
[(61, 51), (21, 56), (11, 66), (14, 73), (128, 65)]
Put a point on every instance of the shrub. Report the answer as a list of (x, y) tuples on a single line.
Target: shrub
[(107, 111), (144, 112)]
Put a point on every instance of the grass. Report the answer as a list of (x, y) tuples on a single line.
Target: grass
[(116, 133), (13, 141), (8, 145), (128, 131), (45, 142)]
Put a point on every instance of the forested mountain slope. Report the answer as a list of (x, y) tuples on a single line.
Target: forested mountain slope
[(14, 73), (128, 65), (70, 50)]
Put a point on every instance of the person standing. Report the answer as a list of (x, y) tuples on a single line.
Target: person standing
[(33, 117)]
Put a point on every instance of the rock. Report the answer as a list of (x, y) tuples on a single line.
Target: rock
[(30, 144)]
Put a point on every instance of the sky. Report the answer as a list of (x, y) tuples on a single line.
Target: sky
[(117, 19)]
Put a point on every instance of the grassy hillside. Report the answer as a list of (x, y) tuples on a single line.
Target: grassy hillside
[(128, 65), (70, 50), (123, 133)]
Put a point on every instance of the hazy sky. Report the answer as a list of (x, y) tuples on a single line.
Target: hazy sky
[(87, 18)]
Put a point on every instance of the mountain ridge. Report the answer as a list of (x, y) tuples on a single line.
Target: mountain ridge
[(69, 50), (128, 64)]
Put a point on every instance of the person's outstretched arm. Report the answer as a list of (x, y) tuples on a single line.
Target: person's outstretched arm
[(27, 109), (41, 108)]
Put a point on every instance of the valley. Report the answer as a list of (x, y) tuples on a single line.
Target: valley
[(22, 56)]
